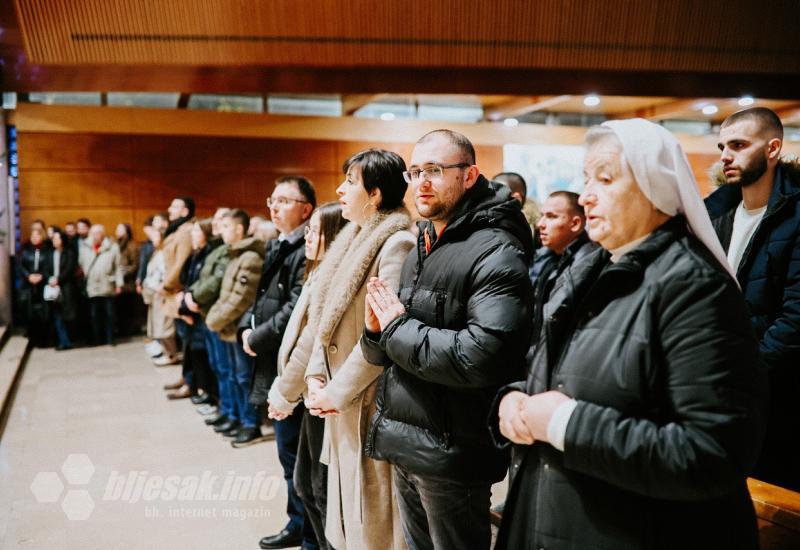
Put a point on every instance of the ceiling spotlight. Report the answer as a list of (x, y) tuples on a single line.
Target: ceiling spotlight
[(387, 116), (746, 100), (710, 110), (591, 100), (511, 122)]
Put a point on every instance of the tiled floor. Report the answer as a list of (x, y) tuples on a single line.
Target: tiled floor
[(106, 405), (94, 456)]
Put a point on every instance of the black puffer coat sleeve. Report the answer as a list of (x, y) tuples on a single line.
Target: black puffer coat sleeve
[(714, 396), (497, 319)]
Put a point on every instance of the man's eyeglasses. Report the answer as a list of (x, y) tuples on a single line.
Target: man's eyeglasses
[(431, 172), (282, 201)]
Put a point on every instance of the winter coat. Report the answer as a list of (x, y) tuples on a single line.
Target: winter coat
[(30, 298), (176, 248), (361, 508), (464, 335), (102, 269), (129, 260), (195, 334), (238, 290), (145, 253), (658, 353), (769, 274), (159, 323), (278, 290), (294, 354), (68, 297), (205, 290)]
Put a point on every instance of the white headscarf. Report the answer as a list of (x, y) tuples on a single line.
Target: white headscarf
[(663, 174)]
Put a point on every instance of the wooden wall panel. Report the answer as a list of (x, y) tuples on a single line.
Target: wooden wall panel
[(112, 178), (125, 178)]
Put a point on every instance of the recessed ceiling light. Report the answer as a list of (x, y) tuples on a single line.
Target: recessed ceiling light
[(591, 100), (710, 109), (746, 100), (511, 122), (387, 116)]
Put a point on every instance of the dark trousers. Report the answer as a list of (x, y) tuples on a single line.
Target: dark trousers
[(196, 361), (61, 327), (311, 478), (287, 436), (128, 318), (443, 513), (101, 310), (220, 364), (241, 376)]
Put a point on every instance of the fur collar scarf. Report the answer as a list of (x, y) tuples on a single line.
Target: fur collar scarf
[(346, 264)]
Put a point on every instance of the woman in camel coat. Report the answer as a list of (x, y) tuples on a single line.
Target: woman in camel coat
[(361, 509)]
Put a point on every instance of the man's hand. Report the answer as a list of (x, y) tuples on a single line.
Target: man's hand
[(190, 303), (187, 319), (384, 304), (275, 414), (138, 287), (510, 419), (118, 290), (245, 344), (35, 278), (537, 410)]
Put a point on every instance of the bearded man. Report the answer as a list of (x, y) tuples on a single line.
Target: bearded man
[(756, 214)]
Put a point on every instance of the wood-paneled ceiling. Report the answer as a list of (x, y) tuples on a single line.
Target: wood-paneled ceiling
[(680, 48)]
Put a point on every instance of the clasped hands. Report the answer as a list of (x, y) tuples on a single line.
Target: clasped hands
[(524, 418), (382, 305)]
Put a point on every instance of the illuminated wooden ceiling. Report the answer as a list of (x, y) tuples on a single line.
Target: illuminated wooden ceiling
[(680, 48)]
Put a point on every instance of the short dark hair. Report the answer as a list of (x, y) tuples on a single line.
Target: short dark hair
[(188, 202), (572, 201), (239, 216), (514, 181), (84, 221), (304, 185), (148, 221), (460, 141), (765, 119), (383, 170)]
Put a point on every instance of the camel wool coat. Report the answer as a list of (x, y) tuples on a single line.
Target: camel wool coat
[(362, 508)]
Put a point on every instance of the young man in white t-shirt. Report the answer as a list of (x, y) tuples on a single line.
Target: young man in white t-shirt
[(756, 213)]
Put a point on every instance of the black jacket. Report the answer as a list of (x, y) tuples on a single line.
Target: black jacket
[(67, 267), (278, 291), (659, 354), (769, 274), (31, 260), (464, 334)]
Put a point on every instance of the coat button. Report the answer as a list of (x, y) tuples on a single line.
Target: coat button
[(332, 348), (560, 386), (546, 466)]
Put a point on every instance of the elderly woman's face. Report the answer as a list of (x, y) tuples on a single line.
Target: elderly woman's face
[(617, 212)]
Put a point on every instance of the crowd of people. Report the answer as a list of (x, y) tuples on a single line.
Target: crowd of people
[(628, 353)]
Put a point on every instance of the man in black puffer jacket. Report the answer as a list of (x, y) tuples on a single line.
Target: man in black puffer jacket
[(756, 214), (458, 331)]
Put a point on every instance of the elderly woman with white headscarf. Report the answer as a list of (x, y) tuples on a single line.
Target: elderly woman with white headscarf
[(642, 412)]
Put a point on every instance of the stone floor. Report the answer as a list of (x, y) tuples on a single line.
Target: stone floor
[(94, 456)]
